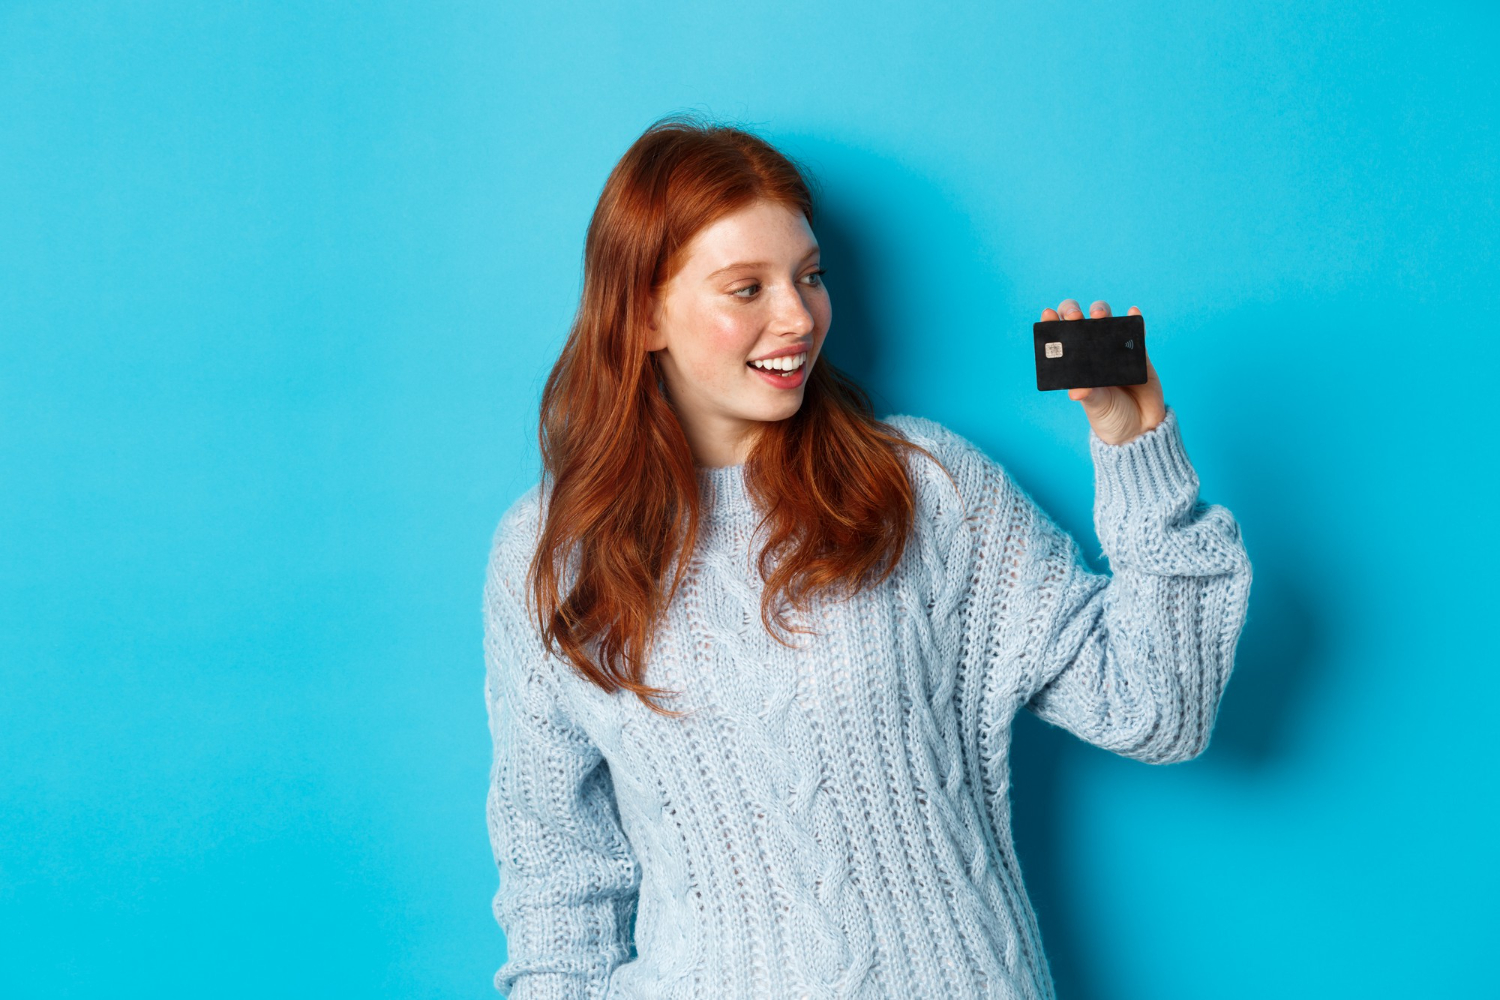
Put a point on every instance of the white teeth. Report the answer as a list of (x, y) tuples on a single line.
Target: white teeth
[(783, 364)]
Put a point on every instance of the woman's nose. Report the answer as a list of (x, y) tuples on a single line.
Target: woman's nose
[(795, 316)]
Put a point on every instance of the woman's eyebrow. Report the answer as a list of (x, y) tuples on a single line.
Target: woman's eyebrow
[(748, 264)]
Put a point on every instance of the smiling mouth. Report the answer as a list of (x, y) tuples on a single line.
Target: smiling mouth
[(783, 366)]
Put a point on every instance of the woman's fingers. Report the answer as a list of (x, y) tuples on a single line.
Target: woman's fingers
[(1069, 309)]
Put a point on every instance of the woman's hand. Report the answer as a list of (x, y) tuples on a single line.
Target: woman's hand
[(1117, 413)]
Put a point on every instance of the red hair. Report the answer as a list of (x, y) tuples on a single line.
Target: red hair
[(625, 504)]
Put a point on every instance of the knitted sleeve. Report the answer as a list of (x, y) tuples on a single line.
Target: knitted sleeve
[(568, 876), (1136, 661)]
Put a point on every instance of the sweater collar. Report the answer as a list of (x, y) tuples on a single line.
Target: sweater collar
[(723, 492)]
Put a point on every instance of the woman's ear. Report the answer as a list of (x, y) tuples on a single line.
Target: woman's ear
[(655, 338)]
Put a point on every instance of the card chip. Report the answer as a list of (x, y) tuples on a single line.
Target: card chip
[(1054, 349)]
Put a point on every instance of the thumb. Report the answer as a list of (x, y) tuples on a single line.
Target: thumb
[(1103, 405), (1096, 400)]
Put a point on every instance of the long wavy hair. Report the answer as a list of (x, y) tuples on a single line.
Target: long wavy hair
[(619, 476)]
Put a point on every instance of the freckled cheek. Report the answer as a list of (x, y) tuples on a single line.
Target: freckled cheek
[(725, 346), (822, 313), (820, 331)]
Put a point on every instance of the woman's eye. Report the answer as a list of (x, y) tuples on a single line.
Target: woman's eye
[(815, 276)]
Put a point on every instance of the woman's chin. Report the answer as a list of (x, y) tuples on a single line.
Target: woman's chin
[(771, 411)]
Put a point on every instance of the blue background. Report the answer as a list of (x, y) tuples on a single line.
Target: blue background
[(279, 286)]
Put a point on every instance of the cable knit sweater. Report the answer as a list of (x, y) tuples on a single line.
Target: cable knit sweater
[(834, 820)]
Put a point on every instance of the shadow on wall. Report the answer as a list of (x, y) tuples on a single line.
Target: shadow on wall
[(871, 212)]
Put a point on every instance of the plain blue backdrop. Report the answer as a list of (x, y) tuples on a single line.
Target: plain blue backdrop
[(279, 286)]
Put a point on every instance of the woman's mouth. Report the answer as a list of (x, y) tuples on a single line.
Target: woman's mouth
[(784, 372)]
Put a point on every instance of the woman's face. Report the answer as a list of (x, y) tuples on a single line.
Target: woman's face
[(750, 289)]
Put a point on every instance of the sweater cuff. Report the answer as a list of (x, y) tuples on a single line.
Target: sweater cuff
[(1148, 474), (550, 986)]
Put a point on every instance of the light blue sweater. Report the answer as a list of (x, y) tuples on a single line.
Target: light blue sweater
[(834, 821)]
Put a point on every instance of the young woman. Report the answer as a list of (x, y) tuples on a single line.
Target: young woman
[(753, 656)]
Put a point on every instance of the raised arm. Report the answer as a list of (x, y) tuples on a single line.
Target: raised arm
[(569, 879), (1136, 661)]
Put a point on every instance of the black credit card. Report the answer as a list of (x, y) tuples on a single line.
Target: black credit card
[(1083, 353)]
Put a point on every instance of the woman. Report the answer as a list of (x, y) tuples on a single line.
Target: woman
[(845, 615)]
